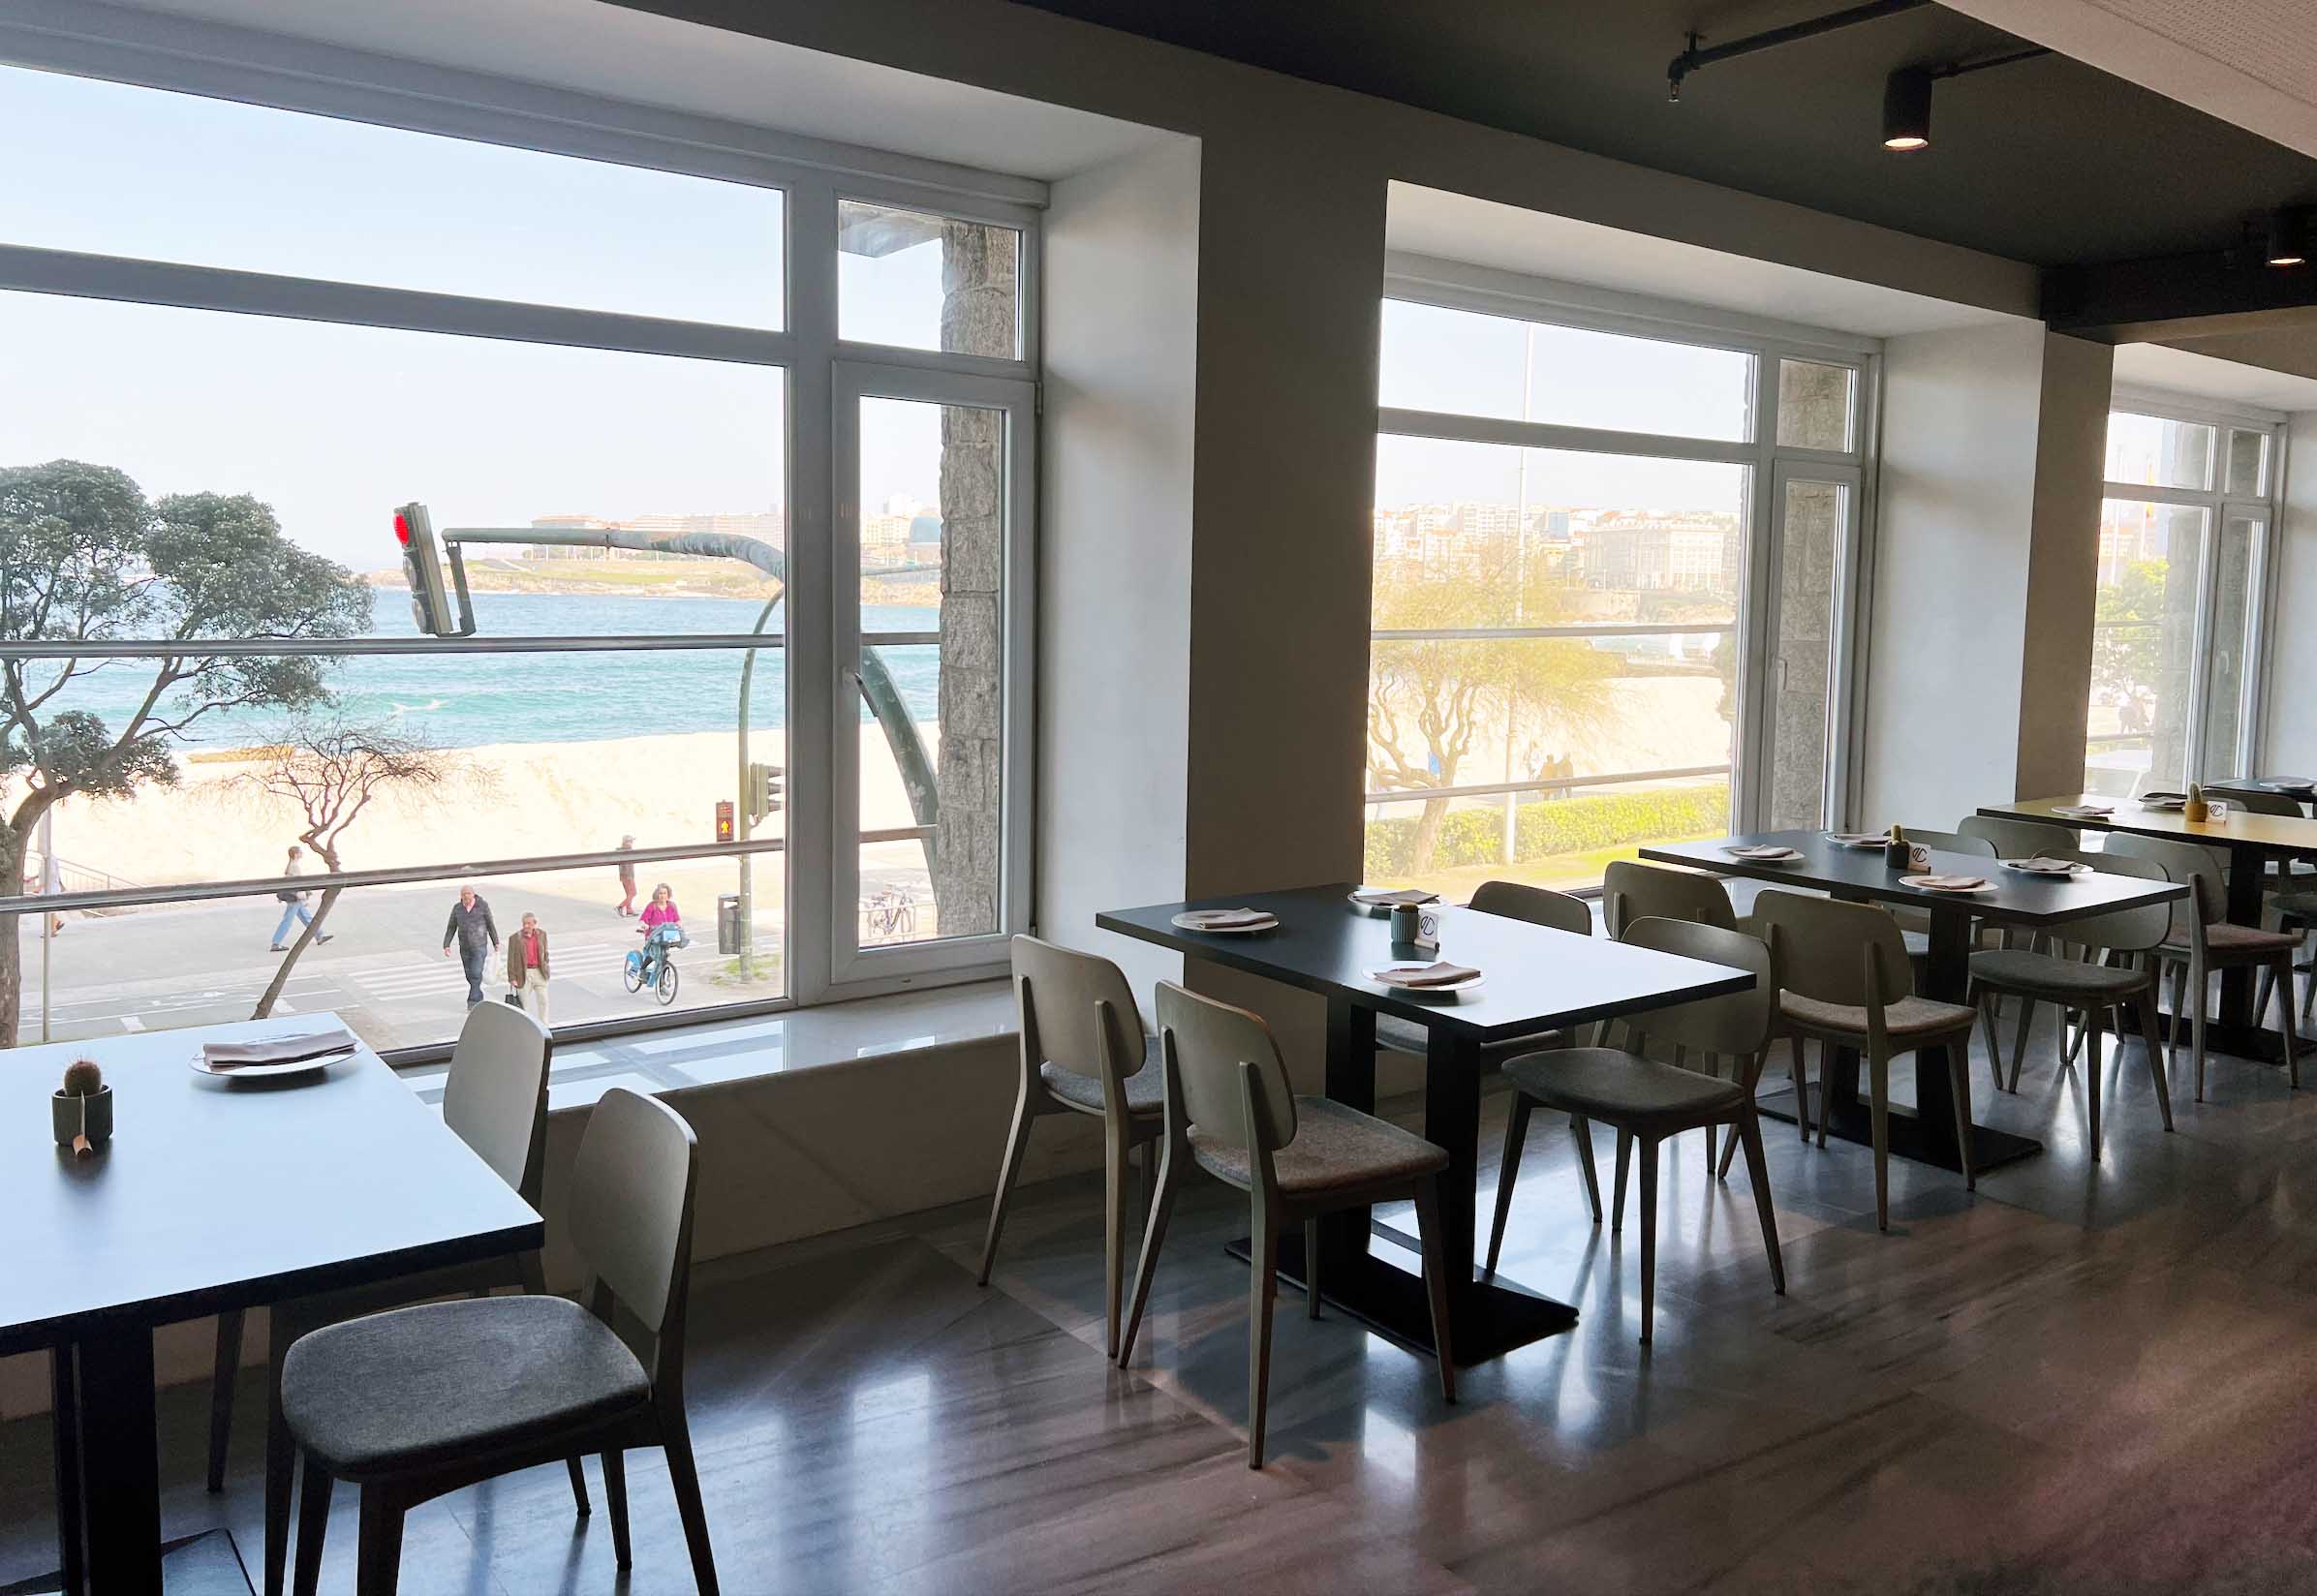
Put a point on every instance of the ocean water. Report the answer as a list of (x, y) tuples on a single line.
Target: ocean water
[(467, 701)]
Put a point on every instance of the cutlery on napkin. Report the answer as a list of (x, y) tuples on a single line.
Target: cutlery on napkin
[(278, 1050), (1950, 883), (1222, 918), (1411, 895), (1439, 974)]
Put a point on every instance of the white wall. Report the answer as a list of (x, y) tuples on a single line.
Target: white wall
[(2289, 745)]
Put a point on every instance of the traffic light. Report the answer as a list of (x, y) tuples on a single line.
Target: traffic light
[(723, 819), (764, 791), (422, 568)]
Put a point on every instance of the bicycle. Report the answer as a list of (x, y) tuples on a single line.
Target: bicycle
[(891, 913), (650, 965)]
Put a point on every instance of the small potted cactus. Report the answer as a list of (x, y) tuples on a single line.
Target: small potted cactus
[(83, 1108)]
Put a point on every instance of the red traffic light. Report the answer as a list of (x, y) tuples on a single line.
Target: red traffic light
[(402, 529)]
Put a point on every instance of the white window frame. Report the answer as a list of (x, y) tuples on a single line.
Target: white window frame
[(1458, 285)]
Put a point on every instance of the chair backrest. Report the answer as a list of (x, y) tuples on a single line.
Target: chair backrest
[(2127, 930), (495, 1097), (1632, 891), (1538, 905), (2190, 864), (1949, 842), (2257, 800), (1076, 1010), (1820, 943), (631, 1194), (2018, 838), (1204, 1043), (1738, 1024)]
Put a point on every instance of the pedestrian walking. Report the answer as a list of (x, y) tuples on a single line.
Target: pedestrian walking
[(475, 933), (627, 905), (527, 967), (293, 903)]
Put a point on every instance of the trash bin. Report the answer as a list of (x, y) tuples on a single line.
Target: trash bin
[(729, 938)]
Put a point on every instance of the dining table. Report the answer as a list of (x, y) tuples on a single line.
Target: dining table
[(2250, 841), (213, 1192), (1533, 979), (2010, 898)]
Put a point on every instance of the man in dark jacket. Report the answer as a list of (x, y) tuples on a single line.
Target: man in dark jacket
[(475, 933)]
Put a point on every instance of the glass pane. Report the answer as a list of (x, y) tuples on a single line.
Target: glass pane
[(2248, 462), (2232, 650), (2143, 641), (1487, 535), (2155, 452), (1469, 364), (1813, 515), (1814, 405), (1557, 837), (214, 183), (920, 281), (933, 497), (301, 438)]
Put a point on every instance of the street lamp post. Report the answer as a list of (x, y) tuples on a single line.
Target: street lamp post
[(746, 790)]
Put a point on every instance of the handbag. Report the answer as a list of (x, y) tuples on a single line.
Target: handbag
[(512, 999), (287, 897)]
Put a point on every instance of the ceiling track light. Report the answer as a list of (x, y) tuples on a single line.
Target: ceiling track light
[(1907, 110), (2286, 237)]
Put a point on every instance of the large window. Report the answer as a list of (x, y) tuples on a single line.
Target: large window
[(1615, 569), (2184, 541), (607, 365)]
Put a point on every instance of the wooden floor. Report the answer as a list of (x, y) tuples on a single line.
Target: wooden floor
[(2081, 1380)]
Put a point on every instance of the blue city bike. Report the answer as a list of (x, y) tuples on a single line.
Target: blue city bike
[(651, 964)]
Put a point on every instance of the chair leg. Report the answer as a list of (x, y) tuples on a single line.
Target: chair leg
[(675, 1436), (1879, 1090), (224, 1364), (1436, 1282), (615, 1491), (2180, 1012), (1960, 1077), (2150, 1033), (1311, 1241), (1147, 1163), (2018, 1038), (378, 1563), (1712, 1148), (1154, 1233), (1114, 1230), (2284, 1025), (1625, 1159), (313, 1524), (2267, 990), (1749, 1129), (1263, 1260), (2091, 1087), (1802, 1091), (1648, 1237), (2196, 979), (1581, 1132), (2309, 996), (1508, 1169), (1994, 1054), (1008, 1168), (579, 1486), (280, 1458)]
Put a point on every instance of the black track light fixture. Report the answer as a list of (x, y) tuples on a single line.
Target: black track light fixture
[(2286, 241), (1907, 110)]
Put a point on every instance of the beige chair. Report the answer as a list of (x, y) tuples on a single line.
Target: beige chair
[(1083, 1051), (420, 1401), (1229, 1111), (2201, 943), (1848, 983), (2125, 975), (2295, 915), (494, 1099), (2016, 839), (1646, 1101), (1513, 900)]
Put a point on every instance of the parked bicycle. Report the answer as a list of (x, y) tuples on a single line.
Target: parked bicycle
[(892, 913)]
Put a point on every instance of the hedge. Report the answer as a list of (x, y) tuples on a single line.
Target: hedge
[(1546, 828)]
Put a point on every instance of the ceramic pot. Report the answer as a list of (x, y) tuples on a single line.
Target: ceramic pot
[(67, 1113)]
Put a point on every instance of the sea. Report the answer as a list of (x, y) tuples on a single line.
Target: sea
[(467, 701)]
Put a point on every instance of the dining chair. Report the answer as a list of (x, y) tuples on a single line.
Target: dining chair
[(2086, 984), (1850, 984), (1645, 1100), (1082, 1051), (2016, 839), (1230, 1111), (495, 1100), (2201, 942), (2285, 871), (420, 1402), (1513, 900), (2295, 915)]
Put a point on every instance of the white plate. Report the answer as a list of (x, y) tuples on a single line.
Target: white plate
[(2047, 867), (1764, 855), (1916, 882), (1464, 985), (1190, 922), (269, 1072), (1358, 902), (1855, 840)]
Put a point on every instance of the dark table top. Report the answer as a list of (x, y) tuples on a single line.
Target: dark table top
[(1537, 979), (219, 1194), (2018, 898)]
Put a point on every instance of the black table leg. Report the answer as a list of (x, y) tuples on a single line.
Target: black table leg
[(2248, 869), (1351, 1082), (120, 1462)]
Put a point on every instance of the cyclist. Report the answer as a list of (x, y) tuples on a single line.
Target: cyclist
[(662, 926)]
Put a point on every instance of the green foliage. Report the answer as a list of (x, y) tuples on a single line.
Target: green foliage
[(1547, 828), (2126, 658)]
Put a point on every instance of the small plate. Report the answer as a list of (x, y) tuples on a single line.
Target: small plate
[(1191, 921), (1922, 883), (1764, 855), (1464, 985), (269, 1072), (1855, 840), (2047, 867)]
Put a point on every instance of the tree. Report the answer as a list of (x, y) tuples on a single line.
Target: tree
[(2127, 642), (331, 768), (1432, 697), (85, 558)]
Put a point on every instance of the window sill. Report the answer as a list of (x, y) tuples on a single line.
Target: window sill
[(719, 1052)]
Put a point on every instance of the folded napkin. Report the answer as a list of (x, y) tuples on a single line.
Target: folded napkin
[(1220, 917), (1411, 895), (1949, 884), (277, 1050), (1856, 839), (1439, 974), (2085, 811), (2040, 866), (1764, 851)]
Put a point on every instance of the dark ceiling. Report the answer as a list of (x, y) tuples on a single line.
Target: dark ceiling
[(2047, 161)]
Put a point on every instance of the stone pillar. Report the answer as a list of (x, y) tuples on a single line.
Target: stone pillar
[(980, 293)]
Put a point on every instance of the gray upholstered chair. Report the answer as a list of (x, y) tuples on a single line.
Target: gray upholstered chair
[(1229, 1111), (2016, 839), (1848, 983), (422, 1400), (2295, 915), (1646, 1101), (494, 1099), (1514, 900), (2201, 942), (2124, 975), (1083, 1051)]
